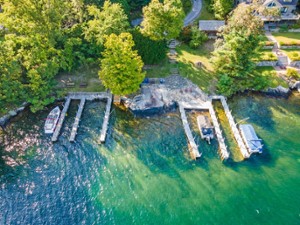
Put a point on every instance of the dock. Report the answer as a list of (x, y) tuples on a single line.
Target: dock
[(192, 144), (233, 126), (83, 96), (106, 119), (77, 119), (222, 146), (61, 120)]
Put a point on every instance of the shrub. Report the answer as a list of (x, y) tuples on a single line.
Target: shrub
[(283, 28), (293, 73), (186, 34), (198, 38)]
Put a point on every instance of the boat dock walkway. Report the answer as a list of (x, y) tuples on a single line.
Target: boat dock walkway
[(222, 146), (77, 119), (106, 119), (192, 144), (83, 96), (233, 126), (61, 120)]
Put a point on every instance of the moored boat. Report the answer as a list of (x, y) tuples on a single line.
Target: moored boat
[(52, 120), (253, 143), (205, 128)]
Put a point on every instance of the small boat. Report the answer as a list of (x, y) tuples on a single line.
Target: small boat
[(51, 120), (205, 128), (253, 143)]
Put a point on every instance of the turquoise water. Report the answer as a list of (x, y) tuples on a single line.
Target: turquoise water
[(143, 174)]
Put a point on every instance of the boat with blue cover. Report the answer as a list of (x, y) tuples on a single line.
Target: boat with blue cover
[(252, 142)]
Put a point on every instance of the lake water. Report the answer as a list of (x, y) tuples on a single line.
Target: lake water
[(143, 174)]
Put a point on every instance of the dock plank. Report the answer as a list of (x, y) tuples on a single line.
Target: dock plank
[(106, 118), (77, 119)]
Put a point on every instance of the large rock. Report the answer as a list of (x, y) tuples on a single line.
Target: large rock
[(278, 92), (295, 86)]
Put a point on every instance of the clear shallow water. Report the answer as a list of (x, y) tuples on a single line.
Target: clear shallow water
[(144, 175)]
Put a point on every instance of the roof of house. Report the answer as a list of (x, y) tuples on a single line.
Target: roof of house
[(288, 2), (211, 25)]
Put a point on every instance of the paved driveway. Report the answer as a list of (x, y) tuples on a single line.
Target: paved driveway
[(194, 13)]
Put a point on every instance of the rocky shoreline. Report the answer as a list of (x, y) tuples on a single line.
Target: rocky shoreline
[(162, 96)]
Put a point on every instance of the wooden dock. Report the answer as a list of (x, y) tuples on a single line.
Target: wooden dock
[(192, 144), (61, 120), (106, 119), (77, 119), (83, 96), (222, 146), (233, 126)]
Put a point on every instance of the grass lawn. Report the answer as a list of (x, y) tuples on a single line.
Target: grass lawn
[(86, 74), (267, 54), (293, 54), (205, 14), (286, 38), (187, 57), (270, 73)]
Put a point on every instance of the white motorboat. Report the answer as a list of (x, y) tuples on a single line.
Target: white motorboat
[(52, 120)]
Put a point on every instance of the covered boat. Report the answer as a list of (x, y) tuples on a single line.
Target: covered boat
[(51, 120), (205, 128), (253, 143)]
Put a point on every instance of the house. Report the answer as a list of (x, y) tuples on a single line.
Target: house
[(211, 27), (287, 10)]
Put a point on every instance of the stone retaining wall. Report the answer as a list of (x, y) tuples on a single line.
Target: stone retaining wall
[(295, 64), (290, 47), (268, 47), (4, 119), (267, 63)]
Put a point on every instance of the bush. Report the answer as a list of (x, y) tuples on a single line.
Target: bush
[(284, 28), (292, 73), (186, 34), (152, 52), (198, 38)]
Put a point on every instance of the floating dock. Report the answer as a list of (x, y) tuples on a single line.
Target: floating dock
[(233, 126), (83, 96), (61, 120), (77, 119), (192, 144), (252, 142)]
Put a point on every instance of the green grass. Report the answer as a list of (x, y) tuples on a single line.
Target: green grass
[(204, 77), (293, 54), (205, 14), (267, 55), (270, 73), (87, 74), (286, 38)]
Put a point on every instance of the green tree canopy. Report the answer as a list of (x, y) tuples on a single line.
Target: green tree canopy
[(37, 41), (110, 19), (233, 58), (163, 21), (121, 66), (152, 52), (222, 8)]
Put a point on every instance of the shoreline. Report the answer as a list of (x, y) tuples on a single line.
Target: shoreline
[(278, 92)]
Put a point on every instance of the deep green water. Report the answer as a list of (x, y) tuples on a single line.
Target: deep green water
[(144, 174)]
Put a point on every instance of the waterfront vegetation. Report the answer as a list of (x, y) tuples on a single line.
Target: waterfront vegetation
[(293, 54), (287, 38), (266, 55)]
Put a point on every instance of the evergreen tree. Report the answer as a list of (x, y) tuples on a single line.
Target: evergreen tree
[(121, 66), (233, 58)]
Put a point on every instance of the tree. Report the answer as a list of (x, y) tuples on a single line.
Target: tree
[(198, 37), (37, 42), (110, 19), (233, 58), (121, 66), (222, 8), (162, 21), (152, 52)]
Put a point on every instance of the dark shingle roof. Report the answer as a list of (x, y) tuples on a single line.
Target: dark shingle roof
[(211, 25)]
